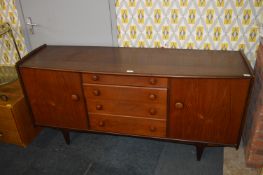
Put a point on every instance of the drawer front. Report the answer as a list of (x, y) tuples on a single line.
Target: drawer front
[(11, 137), (124, 80), (7, 121), (127, 108), (5, 113), (128, 125), (124, 93)]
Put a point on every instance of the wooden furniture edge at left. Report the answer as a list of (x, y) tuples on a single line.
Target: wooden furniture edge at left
[(16, 125)]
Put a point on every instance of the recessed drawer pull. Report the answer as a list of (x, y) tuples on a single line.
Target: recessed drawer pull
[(95, 77), (152, 111), (179, 105), (153, 81), (96, 92), (75, 97), (152, 96), (1, 134), (152, 128), (101, 123), (99, 107)]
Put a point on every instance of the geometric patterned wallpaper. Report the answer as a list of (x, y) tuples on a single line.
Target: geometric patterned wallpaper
[(8, 54), (190, 24)]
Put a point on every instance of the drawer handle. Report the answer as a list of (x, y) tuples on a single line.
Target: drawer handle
[(75, 97), (153, 81), (101, 123), (152, 96), (1, 134), (152, 128), (99, 107), (179, 105), (96, 92), (4, 97), (95, 77), (152, 111)]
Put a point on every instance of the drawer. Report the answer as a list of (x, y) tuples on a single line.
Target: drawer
[(124, 80), (128, 125), (7, 121), (11, 137), (127, 108), (5, 113), (126, 93)]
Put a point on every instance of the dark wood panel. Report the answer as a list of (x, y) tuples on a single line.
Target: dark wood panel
[(128, 108), (128, 125), (207, 109), (55, 97), (126, 93), (124, 80), (141, 61)]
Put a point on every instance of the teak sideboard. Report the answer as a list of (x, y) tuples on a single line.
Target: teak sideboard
[(190, 96)]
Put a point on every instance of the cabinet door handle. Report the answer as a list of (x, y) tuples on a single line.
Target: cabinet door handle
[(1, 134), (75, 97), (95, 77), (153, 81), (179, 105), (152, 96), (152, 111), (101, 123), (99, 107), (96, 92)]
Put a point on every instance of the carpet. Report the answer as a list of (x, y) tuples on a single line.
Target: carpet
[(99, 154)]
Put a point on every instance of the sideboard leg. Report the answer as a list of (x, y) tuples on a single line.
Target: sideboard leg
[(199, 150), (66, 135)]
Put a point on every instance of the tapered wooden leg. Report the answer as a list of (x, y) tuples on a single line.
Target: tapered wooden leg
[(66, 135), (199, 150)]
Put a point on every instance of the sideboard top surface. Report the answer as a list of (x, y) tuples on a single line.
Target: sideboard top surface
[(140, 61)]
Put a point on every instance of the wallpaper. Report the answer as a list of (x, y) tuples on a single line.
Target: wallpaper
[(190, 24), (8, 13)]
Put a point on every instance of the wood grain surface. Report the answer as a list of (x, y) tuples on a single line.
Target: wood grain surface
[(50, 96), (212, 109), (142, 61)]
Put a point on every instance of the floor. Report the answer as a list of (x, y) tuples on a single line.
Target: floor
[(97, 154), (234, 163)]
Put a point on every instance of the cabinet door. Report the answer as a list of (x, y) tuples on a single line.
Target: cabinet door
[(207, 110), (55, 97)]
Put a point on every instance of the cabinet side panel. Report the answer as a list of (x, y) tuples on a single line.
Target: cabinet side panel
[(50, 97), (212, 109), (24, 124)]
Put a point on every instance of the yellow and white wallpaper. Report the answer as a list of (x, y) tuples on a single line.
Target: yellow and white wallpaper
[(8, 13), (190, 24)]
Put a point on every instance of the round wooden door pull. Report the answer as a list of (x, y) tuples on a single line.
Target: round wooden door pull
[(152, 129), (96, 92), (1, 134), (95, 77), (99, 107), (101, 123), (153, 81), (179, 105), (75, 97), (152, 111), (152, 96)]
